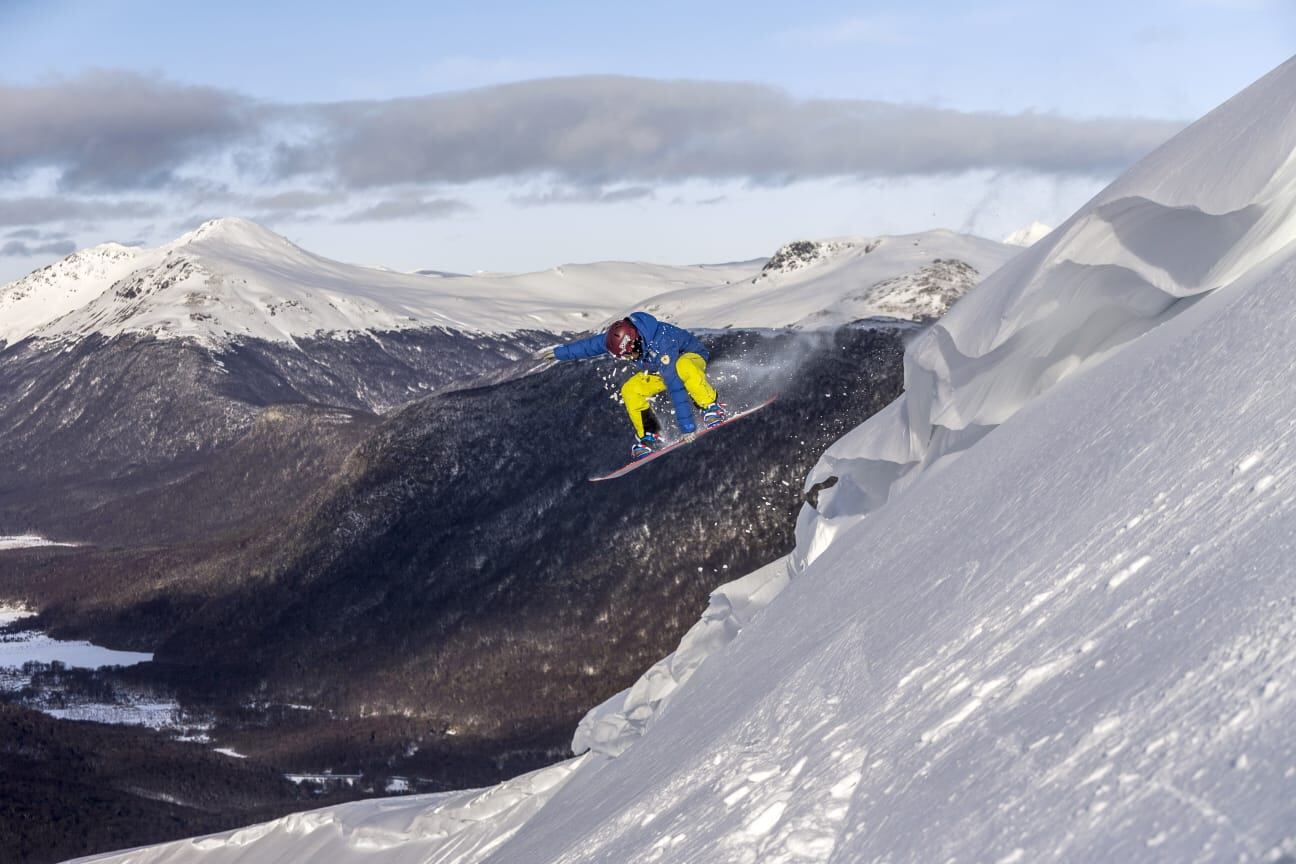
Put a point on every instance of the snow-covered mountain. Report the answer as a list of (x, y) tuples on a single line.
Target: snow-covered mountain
[(823, 284), (232, 280), (38, 298), (1042, 609)]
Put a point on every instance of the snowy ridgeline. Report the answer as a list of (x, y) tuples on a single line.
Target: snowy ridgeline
[(232, 280), (1043, 610)]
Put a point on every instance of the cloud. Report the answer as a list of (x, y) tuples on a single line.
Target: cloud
[(113, 130), (584, 135), (409, 208), (296, 199), (39, 211), (19, 249), (583, 195), (596, 130)]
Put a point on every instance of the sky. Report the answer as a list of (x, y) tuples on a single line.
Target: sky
[(517, 136)]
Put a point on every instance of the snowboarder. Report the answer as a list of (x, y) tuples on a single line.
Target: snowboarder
[(671, 359)]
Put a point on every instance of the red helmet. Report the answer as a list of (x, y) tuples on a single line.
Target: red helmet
[(623, 339)]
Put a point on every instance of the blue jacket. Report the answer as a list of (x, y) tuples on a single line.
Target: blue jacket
[(662, 344)]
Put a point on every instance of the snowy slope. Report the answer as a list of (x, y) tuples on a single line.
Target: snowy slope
[(1075, 643), (1075, 640), (232, 279), (50, 292), (1198, 214)]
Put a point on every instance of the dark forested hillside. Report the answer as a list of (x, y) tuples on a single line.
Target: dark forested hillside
[(458, 594), (460, 568), (140, 440), (72, 789)]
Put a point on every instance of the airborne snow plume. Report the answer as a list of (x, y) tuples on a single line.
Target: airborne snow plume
[(1043, 608)]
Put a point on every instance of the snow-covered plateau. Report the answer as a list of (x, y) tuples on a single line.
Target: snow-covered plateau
[(232, 280), (1043, 608)]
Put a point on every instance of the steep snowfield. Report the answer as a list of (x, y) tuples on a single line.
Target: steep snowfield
[(1078, 641), (232, 279), (1201, 212), (1075, 640)]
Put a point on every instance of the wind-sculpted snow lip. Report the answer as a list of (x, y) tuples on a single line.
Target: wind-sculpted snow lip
[(613, 726), (1191, 218)]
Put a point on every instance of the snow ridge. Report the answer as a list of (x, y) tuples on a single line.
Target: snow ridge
[(50, 292), (1191, 218)]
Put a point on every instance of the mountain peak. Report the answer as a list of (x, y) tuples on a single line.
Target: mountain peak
[(59, 288), (233, 231)]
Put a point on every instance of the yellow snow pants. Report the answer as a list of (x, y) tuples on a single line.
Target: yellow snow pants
[(642, 386)]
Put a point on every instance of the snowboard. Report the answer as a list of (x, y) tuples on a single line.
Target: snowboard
[(675, 445)]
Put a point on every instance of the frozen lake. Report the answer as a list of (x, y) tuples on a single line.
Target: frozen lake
[(33, 645), (131, 709)]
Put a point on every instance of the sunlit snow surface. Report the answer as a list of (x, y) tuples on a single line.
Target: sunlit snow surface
[(1066, 627)]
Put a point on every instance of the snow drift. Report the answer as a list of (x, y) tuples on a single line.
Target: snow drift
[(1074, 640)]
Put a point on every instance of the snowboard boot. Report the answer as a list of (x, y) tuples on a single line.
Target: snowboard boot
[(714, 414), (645, 445)]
